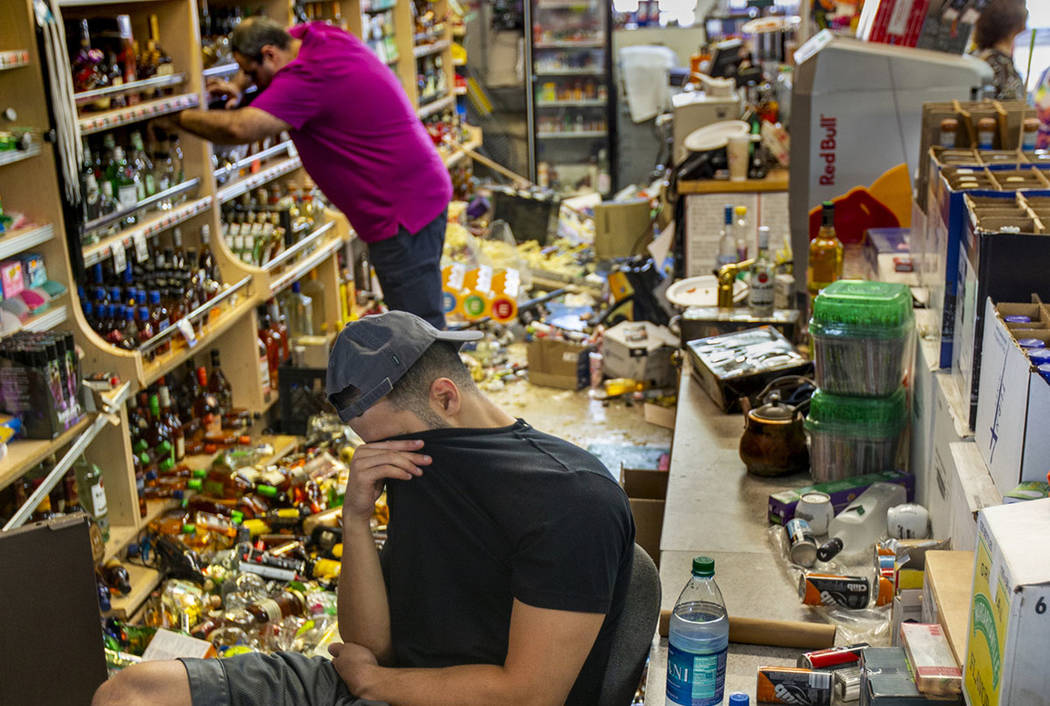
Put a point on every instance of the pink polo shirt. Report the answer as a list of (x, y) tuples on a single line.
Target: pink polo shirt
[(357, 134)]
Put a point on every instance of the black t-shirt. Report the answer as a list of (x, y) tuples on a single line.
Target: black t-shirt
[(501, 514)]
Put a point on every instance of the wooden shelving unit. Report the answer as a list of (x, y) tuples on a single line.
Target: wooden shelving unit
[(30, 182)]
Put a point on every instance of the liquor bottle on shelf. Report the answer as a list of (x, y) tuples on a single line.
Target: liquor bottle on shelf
[(300, 309), (219, 386), (143, 166), (760, 299), (92, 494), (127, 56), (206, 406), (825, 253), (91, 194), (170, 284), (88, 74)]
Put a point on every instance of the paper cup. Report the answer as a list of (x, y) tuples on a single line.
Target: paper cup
[(738, 153)]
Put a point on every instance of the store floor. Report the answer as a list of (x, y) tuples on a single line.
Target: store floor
[(575, 416)]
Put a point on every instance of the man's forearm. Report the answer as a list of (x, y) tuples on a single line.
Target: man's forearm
[(364, 613), (466, 685), (220, 126)]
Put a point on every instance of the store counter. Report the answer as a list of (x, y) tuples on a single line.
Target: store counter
[(715, 508), (776, 180)]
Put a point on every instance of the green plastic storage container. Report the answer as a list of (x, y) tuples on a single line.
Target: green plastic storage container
[(863, 334), (854, 435)]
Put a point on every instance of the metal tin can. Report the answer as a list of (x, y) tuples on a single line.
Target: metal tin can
[(815, 508), (801, 547), (835, 591), (833, 657), (847, 684)]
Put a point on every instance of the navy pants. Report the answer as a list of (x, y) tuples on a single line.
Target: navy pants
[(409, 270)]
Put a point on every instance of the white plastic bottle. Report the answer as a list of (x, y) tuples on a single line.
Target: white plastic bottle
[(854, 530), (727, 243), (698, 641)]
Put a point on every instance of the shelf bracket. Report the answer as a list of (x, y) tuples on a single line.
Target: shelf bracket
[(111, 405)]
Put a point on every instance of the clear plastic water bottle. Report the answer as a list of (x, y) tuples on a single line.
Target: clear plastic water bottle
[(699, 640), (727, 243)]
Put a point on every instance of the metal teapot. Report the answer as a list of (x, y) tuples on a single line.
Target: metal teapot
[(774, 439)]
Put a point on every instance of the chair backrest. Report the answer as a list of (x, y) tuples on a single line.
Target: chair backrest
[(633, 634)]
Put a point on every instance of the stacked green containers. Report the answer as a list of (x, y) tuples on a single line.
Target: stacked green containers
[(863, 338)]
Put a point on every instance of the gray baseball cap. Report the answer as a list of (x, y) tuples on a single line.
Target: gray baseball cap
[(371, 354)]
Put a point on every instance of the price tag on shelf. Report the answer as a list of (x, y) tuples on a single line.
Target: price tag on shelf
[(186, 329), (141, 249), (120, 260)]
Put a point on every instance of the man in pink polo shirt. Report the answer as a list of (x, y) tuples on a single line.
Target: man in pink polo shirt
[(359, 139)]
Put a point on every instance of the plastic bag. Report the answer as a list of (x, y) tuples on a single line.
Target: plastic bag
[(870, 625)]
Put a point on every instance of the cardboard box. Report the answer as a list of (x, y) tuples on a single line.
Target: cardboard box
[(945, 236), (659, 415), (972, 490), (842, 492), (1008, 638), (647, 492), (922, 401), (1013, 406), (886, 680), (562, 364), (1006, 267), (946, 595), (1008, 115), (949, 426), (639, 350), (907, 608), (888, 254)]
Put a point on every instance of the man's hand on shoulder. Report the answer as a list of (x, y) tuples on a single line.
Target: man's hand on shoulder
[(372, 465), (354, 663)]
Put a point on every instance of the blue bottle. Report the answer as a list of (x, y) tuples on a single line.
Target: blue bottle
[(698, 641)]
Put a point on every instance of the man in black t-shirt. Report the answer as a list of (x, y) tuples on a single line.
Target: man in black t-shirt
[(507, 562)]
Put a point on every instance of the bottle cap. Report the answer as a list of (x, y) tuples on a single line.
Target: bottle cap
[(830, 548), (199, 473), (189, 528), (237, 517), (739, 698), (194, 484), (703, 566), (266, 490)]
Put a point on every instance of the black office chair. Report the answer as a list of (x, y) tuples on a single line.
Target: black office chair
[(633, 634)]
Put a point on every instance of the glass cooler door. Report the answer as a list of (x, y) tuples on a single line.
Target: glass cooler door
[(570, 105)]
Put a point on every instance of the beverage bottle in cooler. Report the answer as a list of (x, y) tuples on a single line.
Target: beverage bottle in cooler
[(698, 640), (727, 254)]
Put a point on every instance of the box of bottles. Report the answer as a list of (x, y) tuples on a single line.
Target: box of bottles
[(853, 436), (1014, 395), (1004, 257), (937, 250), (1008, 641), (39, 382), (863, 337)]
